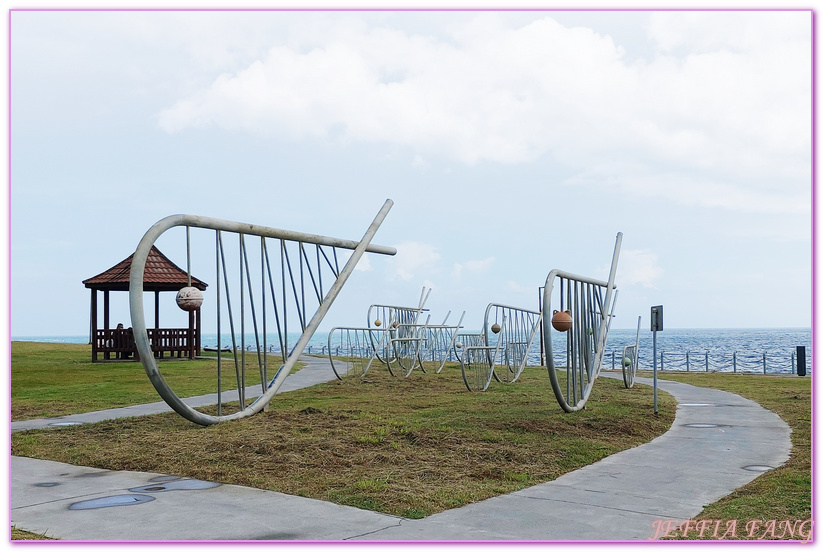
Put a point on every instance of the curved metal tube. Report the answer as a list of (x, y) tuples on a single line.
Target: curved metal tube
[(138, 318)]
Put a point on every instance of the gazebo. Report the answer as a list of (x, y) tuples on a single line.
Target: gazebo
[(160, 275)]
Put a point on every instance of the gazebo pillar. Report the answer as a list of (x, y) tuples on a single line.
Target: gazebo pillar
[(93, 336), (106, 325), (156, 310)]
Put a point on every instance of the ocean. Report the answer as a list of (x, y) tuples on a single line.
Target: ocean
[(727, 350)]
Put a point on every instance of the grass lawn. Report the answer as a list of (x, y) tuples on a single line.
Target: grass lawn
[(783, 493), (53, 379), (404, 446)]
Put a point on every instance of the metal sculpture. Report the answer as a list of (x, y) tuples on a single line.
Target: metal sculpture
[(360, 347), (440, 340), (412, 345), (477, 362), (357, 347), (300, 282), (467, 339), (407, 346), (401, 323), (591, 304), (520, 327), (630, 358)]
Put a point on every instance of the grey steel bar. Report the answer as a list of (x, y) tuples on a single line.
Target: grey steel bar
[(219, 340), (241, 389)]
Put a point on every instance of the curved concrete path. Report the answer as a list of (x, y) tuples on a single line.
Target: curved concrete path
[(619, 498)]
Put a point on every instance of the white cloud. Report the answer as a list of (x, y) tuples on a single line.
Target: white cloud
[(638, 267), (412, 259), (471, 266), (511, 285), (420, 164), (728, 94), (363, 264)]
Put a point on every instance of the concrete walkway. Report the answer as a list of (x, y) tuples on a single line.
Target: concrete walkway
[(718, 442)]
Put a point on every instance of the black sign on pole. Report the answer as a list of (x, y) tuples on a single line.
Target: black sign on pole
[(801, 360), (657, 318)]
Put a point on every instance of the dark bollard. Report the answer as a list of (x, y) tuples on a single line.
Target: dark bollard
[(801, 360)]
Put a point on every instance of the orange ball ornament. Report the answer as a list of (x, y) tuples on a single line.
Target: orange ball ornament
[(562, 320)]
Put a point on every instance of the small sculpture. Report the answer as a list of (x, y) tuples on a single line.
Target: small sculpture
[(377, 322), (496, 327)]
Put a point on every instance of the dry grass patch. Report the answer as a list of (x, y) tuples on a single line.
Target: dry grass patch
[(409, 447)]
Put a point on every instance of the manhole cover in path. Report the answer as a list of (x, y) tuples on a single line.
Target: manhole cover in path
[(702, 425), (758, 468)]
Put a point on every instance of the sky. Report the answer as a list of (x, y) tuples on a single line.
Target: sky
[(511, 143)]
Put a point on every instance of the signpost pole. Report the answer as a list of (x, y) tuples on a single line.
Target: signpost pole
[(657, 325)]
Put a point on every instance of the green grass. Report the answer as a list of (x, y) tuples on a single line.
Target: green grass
[(780, 494), (51, 379), (404, 446)]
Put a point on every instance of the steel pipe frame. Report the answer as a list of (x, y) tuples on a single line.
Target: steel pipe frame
[(507, 310), (138, 316), (576, 352)]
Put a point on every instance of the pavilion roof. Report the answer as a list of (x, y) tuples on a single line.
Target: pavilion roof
[(160, 275)]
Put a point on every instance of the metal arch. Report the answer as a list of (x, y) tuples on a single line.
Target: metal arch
[(630, 359), (138, 316), (592, 304), (521, 328)]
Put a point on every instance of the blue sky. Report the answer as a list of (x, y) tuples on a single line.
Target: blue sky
[(512, 143)]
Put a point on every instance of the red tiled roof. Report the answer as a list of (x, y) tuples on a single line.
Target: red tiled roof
[(160, 275)]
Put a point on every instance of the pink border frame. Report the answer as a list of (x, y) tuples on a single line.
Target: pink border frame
[(812, 371)]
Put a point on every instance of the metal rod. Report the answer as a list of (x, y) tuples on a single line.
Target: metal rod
[(219, 339), (242, 388), (188, 257), (654, 355)]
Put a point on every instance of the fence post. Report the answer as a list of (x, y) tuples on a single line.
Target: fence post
[(734, 361), (707, 360), (764, 363), (661, 360), (687, 361), (801, 360), (612, 359), (792, 362)]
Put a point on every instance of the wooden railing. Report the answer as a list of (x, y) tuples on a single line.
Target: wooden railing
[(119, 344)]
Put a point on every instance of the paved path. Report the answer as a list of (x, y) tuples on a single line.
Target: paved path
[(619, 498)]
